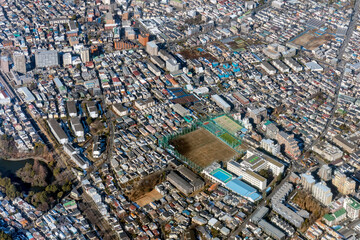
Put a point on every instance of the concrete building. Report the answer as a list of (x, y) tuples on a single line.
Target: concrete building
[(257, 114), (178, 108), (92, 109), (280, 66), (252, 164), (268, 68), (271, 230), (221, 103), (344, 144), (77, 128), (344, 184), (277, 203), (85, 55), (185, 180), (352, 208), (294, 65), (144, 103), (46, 58), (289, 143), (119, 109), (322, 193), (270, 146), (71, 108), (67, 59), (325, 173), (308, 181), (172, 65), (57, 131), (4, 62), (328, 151), (19, 62), (152, 48)]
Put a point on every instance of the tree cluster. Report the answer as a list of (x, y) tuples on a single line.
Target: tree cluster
[(36, 174), (4, 236), (307, 202), (9, 188)]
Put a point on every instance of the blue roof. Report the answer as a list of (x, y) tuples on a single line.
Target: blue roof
[(243, 189)]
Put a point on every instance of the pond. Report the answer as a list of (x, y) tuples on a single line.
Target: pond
[(9, 168)]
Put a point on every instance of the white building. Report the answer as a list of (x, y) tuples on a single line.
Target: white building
[(57, 131), (67, 59), (152, 48), (270, 146), (352, 208), (322, 193), (85, 55)]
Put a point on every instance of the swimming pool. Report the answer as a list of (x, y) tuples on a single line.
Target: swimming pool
[(222, 175)]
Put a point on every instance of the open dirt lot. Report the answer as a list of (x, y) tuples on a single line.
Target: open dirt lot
[(148, 198), (311, 40), (203, 148)]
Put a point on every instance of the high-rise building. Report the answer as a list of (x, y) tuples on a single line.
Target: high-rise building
[(322, 193), (144, 39), (325, 173), (308, 181), (46, 58), (291, 146), (19, 62), (85, 55), (344, 184), (67, 59), (152, 48), (4, 61)]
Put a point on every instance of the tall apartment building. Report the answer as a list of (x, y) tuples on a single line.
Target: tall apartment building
[(257, 114), (4, 62), (46, 58), (352, 208), (271, 130), (19, 62), (270, 146), (322, 193), (143, 39), (290, 144), (85, 55), (344, 184), (152, 48), (67, 59), (325, 173), (308, 181)]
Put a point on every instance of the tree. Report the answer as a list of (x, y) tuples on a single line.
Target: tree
[(4, 236)]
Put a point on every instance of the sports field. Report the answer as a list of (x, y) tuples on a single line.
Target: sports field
[(230, 139), (202, 147), (228, 124)]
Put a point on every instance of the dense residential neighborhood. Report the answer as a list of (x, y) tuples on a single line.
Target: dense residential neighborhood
[(174, 119)]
